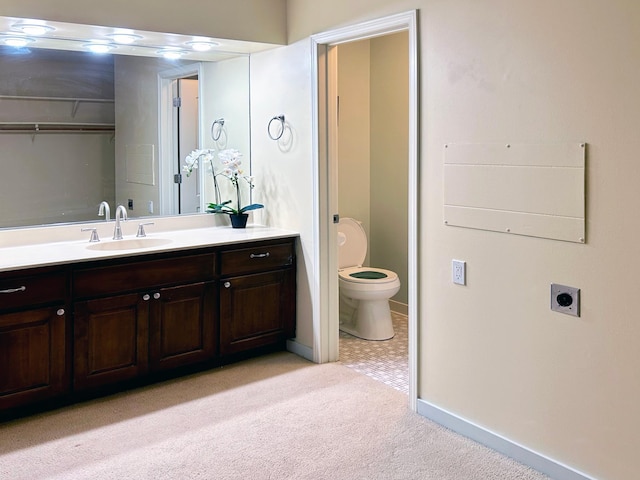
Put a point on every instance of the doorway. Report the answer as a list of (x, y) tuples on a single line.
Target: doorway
[(372, 163), (326, 323), (180, 132), (187, 128)]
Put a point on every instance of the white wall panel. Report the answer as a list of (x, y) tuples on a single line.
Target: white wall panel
[(535, 190)]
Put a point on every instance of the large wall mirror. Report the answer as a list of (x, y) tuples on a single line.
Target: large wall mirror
[(78, 128)]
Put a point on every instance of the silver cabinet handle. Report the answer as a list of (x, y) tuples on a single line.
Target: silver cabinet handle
[(146, 297), (14, 290), (227, 284), (60, 312), (156, 295), (259, 255)]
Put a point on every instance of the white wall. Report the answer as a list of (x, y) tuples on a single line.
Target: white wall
[(492, 352), (225, 94), (136, 81), (281, 84)]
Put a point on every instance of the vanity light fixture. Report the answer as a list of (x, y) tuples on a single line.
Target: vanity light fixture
[(202, 45), (17, 42), (32, 28), (99, 47), (171, 53), (124, 38)]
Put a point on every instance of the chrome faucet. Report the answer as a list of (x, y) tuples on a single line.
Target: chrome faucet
[(104, 210), (121, 214)]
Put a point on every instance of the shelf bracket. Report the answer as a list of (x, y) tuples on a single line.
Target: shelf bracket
[(74, 108)]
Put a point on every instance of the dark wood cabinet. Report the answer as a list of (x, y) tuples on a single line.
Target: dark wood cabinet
[(257, 297), (34, 327), (165, 324), (110, 340), (183, 326), (92, 326)]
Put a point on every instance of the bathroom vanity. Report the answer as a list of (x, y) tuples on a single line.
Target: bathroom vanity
[(103, 319)]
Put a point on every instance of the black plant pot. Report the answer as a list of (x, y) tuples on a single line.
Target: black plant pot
[(238, 220)]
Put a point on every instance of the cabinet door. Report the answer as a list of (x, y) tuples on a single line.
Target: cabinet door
[(256, 310), (111, 340), (182, 325), (32, 356)]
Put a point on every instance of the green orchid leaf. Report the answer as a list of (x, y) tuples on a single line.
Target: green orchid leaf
[(253, 206)]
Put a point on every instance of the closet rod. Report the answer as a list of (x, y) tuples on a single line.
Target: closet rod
[(55, 128), (57, 99)]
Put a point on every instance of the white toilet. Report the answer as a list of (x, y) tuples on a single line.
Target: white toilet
[(364, 291)]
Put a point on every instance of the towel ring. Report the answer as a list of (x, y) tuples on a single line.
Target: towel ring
[(279, 118), (215, 134)]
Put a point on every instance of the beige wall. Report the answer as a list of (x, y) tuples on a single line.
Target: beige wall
[(354, 139), (492, 352), (216, 18), (390, 156), (491, 71)]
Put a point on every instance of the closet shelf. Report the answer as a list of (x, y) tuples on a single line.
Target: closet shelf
[(75, 101)]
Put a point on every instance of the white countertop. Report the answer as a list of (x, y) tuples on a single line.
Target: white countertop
[(28, 253)]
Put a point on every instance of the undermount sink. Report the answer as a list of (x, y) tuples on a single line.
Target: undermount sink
[(129, 244)]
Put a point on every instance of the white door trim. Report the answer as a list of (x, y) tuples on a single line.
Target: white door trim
[(325, 311)]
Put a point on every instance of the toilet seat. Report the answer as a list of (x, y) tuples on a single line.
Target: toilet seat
[(347, 275)]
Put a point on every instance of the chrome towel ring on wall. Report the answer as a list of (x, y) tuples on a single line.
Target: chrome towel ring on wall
[(279, 118), (216, 132)]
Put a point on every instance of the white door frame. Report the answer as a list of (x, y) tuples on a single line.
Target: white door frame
[(167, 121), (326, 322)]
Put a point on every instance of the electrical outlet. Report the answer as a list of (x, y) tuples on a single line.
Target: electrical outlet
[(565, 299), (459, 272)]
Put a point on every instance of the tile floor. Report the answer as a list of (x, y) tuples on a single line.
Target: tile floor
[(386, 361)]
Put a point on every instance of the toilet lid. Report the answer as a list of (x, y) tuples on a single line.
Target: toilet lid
[(352, 243)]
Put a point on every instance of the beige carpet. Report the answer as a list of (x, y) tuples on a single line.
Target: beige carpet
[(275, 417)]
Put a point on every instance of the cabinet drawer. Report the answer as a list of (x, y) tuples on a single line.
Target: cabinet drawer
[(30, 290), (254, 259), (137, 276)]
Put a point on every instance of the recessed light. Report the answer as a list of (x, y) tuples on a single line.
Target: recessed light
[(171, 54), (202, 45), (32, 28), (124, 38), (17, 41), (99, 47)]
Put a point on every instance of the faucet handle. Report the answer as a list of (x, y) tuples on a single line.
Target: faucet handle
[(94, 234), (141, 232)]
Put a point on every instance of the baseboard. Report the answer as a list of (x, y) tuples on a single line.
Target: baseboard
[(300, 350), (537, 461), (398, 307)]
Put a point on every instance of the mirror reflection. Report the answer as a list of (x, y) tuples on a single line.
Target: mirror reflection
[(77, 129)]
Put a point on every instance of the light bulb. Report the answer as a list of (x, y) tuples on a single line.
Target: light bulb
[(171, 54), (32, 28), (124, 38), (99, 47), (202, 45), (17, 41)]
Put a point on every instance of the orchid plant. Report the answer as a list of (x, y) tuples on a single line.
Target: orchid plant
[(231, 161)]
